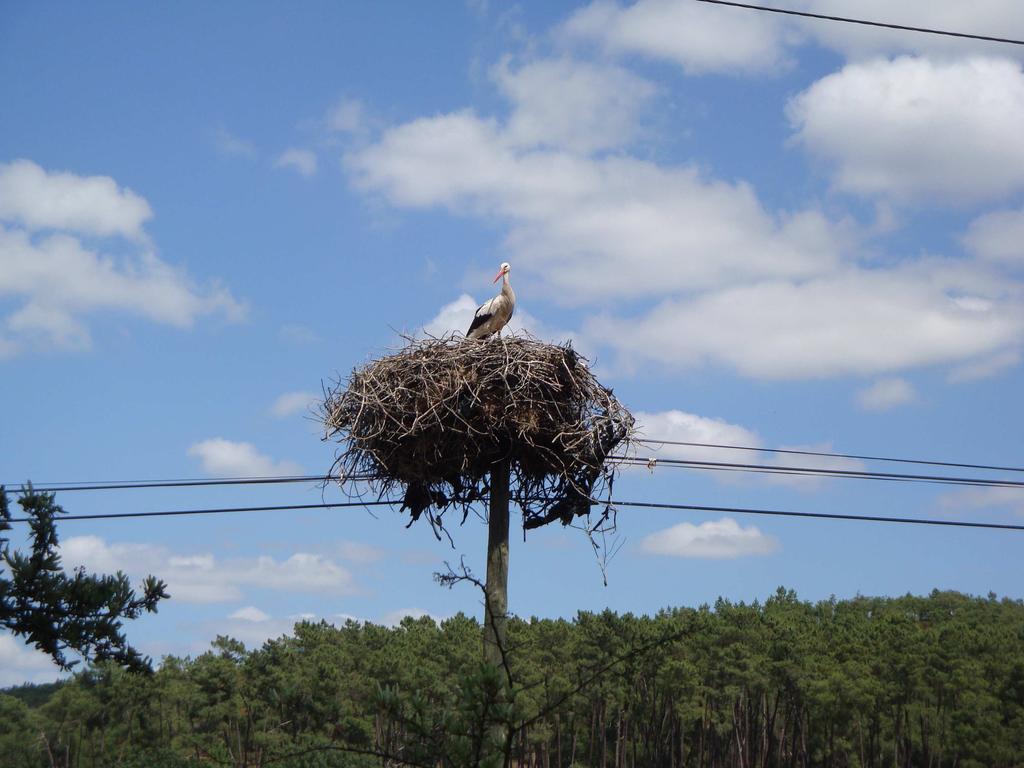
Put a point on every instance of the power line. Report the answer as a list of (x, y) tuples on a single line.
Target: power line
[(614, 503), (53, 487), (702, 465), (825, 472), (221, 510), (820, 515), (118, 486), (128, 484), (795, 452), (647, 464), (864, 22), (63, 483)]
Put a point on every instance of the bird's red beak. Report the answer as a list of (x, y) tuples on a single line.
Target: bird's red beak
[(497, 277)]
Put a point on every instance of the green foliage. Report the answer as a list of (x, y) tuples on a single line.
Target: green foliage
[(868, 682), (18, 726), (33, 695), (58, 612)]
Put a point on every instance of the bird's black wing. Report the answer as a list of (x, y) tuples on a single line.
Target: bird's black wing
[(479, 319)]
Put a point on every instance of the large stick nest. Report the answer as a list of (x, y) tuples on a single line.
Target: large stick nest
[(429, 423)]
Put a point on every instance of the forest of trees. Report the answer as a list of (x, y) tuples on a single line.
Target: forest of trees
[(912, 681)]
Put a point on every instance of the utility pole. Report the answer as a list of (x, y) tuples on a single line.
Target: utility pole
[(496, 588)]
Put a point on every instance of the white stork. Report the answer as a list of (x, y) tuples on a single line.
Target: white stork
[(493, 315)]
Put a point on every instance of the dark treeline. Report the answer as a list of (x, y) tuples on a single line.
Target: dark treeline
[(933, 681)]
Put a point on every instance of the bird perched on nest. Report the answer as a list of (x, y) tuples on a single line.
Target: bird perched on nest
[(494, 315)]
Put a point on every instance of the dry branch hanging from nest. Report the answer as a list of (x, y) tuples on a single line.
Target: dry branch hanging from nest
[(431, 420)]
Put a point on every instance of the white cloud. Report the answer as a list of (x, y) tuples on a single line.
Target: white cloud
[(190, 578), (770, 294), (229, 144), (690, 34), (679, 426), (571, 105), (252, 626), (394, 618), (297, 334), (58, 280), (249, 613), (347, 116), (885, 394), (50, 324), (303, 161), (343, 618), (93, 205), (358, 552), (998, 237), (1011, 499), (993, 18), (599, 229), (453, 317), (715, 539), (985, 367), (21, 663), (293, 402), (238, 459), (683, 427), (914, 128), (8, 348), (203, 578), (299, 573), (857, 322), (95, 554), (700, 38), (595, 228)]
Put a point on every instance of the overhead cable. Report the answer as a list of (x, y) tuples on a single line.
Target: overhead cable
[(650, 462), (128, 484), (864, 22), (820, 515), (215, 511), (798, 452), (101, 485), (614, 503), (825, 472)]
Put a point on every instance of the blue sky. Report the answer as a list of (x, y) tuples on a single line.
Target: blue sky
[(762, 231)]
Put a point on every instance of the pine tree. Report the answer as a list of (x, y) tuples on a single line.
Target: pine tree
[(59, 611)]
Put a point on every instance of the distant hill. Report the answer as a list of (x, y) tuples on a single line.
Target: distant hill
[(33, 695)]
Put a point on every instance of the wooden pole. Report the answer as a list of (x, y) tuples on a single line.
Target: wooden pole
[(496, 588)]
